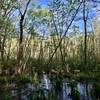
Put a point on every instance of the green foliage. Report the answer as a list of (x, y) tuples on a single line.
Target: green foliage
[(23, 79), (98, 67), (11, 63), (7, 79)]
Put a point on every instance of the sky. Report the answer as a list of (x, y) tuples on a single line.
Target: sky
[(43, 3)]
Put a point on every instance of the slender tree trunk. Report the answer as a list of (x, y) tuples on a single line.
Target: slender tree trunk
[(2, 47), (62, 55), (41, 54), (56, 54), (9, 49), (20, 53), (85, 32)]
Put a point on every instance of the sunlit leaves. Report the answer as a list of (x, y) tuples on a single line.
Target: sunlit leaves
[(39, 13), (6, 6)]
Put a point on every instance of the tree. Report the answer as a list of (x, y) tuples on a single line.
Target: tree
[(6, 9), (70, 12), (20, 53), (85, 32)]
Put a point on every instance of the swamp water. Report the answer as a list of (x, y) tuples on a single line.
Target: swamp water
[(46, 91)]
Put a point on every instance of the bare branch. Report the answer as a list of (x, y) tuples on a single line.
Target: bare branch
[(64, 34), (26, 7)]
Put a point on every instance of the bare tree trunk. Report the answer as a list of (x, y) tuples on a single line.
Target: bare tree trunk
[(56, 54), (41, 54), (62, 55), (50, 59), (20, 52), (2, 47), (85, 32), (0, 44), (9, 49)]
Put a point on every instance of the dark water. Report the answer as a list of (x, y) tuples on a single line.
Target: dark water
[(46, 91)]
